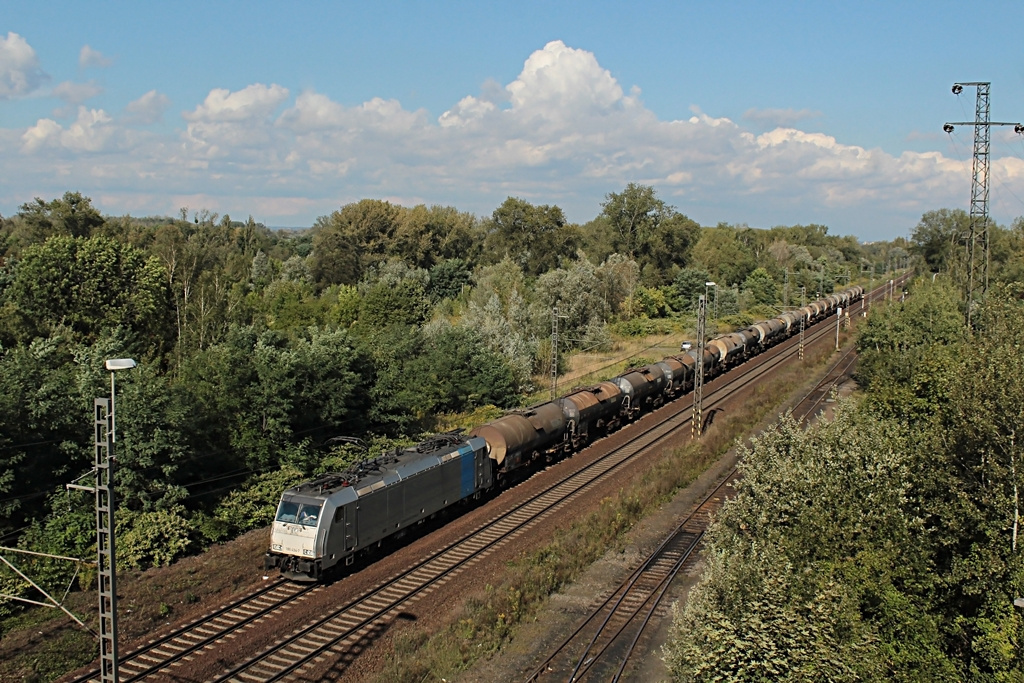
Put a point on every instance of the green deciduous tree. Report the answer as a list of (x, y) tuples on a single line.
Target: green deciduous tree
[(534, 237), (937, 237), (72, 215), (761, 288), (723, 255), (88, 285), (689, 286), (809, 567), (646, 229)]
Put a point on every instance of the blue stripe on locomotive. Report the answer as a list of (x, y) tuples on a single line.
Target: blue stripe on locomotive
[(468, 470)]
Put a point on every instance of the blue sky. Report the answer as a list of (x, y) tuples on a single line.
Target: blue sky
[(763, 113)]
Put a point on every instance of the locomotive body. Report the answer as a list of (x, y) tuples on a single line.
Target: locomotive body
[(326, 521)]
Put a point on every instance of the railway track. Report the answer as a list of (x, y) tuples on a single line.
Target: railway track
[(230, 620), (336, 638), (600, 647)]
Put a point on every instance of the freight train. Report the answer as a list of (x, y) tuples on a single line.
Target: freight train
[(324, 522)]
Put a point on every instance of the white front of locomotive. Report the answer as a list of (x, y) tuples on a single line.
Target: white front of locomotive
[(295, 526)]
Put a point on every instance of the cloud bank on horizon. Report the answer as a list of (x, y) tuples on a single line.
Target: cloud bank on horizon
[(563, 132)]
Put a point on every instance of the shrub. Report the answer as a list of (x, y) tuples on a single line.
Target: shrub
[(153, 539)]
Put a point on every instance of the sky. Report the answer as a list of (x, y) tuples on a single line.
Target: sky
[(756, 113)]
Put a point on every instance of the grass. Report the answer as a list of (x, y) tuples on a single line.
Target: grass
[(487, 622)]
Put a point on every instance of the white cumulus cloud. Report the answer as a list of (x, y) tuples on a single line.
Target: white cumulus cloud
[(91, 131), (20, 73), (253, 102), (561, 79)]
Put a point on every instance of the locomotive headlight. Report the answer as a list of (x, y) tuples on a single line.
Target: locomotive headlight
[(275, 546), (307, 551)]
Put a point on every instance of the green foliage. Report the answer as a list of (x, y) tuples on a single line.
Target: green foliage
[(689, 287), (576, 292), (351, 240), (618, 278), (641, 327), (908, 350), (344, 303), (536, 238), (387, 303), (500, 313), (87, 285), (448, 279), (153, 539), (779, 599), (72, 215), (760, 287), (936, 238), (39, 414), (253, 505), (458, 372), (256, 391), (646, 229), (722, 254), (151, 447), (650, 302)]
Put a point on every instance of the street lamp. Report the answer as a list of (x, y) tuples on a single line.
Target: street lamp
[(113, 365), (714, 311)]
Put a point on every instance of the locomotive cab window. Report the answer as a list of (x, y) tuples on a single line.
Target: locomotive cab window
[(291, 512)]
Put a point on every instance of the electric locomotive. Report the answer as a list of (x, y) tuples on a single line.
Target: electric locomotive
[(324, 522)]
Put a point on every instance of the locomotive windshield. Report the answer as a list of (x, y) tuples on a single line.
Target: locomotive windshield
[(294, 512)]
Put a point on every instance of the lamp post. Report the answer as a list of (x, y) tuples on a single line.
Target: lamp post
[(113, 365), (106, 577)]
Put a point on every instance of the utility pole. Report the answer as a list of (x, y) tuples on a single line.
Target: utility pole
[(696, 426), (803, 318), (106, 575), (839, 319), (554, 352), (977, 255)]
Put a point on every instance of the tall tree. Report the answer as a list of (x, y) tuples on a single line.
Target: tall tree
[(937, 236), (88, 284), (534, 237), (635, 213), (72, 215)]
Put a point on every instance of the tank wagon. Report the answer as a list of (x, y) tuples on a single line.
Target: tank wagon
[(324, 522)]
